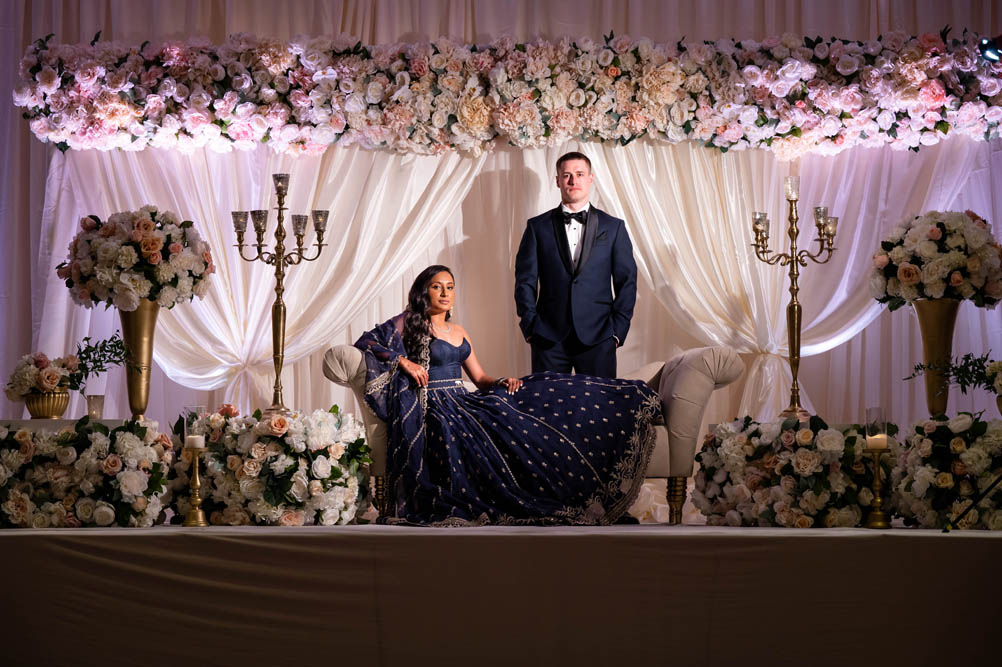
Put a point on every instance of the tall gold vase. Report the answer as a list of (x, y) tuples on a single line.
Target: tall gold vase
[(937, 318), (138, 327)]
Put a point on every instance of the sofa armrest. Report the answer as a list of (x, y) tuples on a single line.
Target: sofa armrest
[(345, 365), (687, 381)]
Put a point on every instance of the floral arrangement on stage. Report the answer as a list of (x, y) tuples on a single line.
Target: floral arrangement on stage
[(785, 474), (85, 476), (36, 373), (944, 465), (286, 470), (144, 254), (938, 255), (790, 94)]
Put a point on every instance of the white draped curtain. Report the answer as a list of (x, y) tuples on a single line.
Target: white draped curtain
[(384, 208), (687, 207)]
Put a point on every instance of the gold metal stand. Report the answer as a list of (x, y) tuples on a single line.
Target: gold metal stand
[(195, 515), (676, 492), (795, 259), (280, 260), (877, 518)]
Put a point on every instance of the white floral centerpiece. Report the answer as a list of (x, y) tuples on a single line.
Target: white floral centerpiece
[(790, 94), (945, 464), (938, 255), (144, 254), (37, 373), (290, 471), (87, 476), (782, 474)]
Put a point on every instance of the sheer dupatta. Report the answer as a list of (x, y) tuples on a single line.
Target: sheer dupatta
[(393, 397)]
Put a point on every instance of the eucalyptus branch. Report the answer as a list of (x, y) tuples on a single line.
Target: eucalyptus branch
[(97, 358), (966, 372)]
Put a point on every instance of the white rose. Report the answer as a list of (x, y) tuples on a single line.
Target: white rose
[(830, 440), (865, 497), (85, 509), (104, 514), (66, 455), (39, 520), (132, 482), (960, 423), (321, 467)]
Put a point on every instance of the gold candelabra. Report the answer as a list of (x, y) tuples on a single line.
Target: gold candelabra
[(794, 259), (280, 259)]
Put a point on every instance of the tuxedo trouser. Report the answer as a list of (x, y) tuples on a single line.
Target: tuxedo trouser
[(570, 354)]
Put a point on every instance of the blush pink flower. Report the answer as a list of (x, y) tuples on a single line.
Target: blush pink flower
[(41, 360), (880, 260), (932, 94), (111, 465), (174, 248), (935, 233), (909, 274), (228, 410), (956, 279), (278, 425)]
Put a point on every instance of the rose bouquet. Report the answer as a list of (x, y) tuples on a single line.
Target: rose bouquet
[(36, 373), (938, 255), (291, 471), (782, 474), (144, 254), (88, 476), (944, 465)]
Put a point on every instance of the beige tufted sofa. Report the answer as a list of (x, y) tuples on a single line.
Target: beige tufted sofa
[(684, 383)]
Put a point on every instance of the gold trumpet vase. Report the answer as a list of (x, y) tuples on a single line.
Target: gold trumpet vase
[(138, 327), (936, 318), (48, 404)]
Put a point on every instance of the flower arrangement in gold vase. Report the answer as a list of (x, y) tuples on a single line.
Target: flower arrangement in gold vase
[(138, 262), (44, 384)]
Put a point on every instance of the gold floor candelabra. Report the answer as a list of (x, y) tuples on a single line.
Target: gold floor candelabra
[(794, 259), (280, 260)]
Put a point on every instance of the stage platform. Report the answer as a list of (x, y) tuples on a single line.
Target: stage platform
[(383, 596)]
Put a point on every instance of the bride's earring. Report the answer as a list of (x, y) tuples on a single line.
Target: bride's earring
[(450, 312)]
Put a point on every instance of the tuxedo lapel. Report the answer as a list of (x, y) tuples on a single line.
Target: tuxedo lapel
[(589, 239), (560, 238)]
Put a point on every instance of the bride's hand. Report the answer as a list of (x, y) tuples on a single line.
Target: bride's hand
[(416, 371), (511, 384)]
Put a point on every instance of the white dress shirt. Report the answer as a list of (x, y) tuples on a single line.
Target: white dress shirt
[(575, 232)]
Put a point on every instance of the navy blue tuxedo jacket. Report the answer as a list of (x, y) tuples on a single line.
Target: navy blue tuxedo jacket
[(596, 300)]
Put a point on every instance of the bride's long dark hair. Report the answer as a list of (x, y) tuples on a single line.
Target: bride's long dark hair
[(417, 323)]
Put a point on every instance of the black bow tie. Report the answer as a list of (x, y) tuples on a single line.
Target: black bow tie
[(580, 216)]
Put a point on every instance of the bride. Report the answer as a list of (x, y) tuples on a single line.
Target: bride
[(550, 448)]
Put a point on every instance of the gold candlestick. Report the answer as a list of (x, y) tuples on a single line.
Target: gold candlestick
[(195, 515), (877, 518), (826, 227), (280, 259)]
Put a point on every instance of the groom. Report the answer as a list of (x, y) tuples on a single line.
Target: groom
[(575, 280)]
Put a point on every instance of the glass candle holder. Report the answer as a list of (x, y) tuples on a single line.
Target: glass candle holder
[(791, 186), (281, 183), (190, 415), (239, 221), (299, 224), (876, 428), (320, 220), (260, 219)]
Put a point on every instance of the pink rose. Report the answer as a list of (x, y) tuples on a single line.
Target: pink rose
[(164, 441), (174, 248), (71, 521), (154, 258), (71, 362), (932, 43), (956, 279), (787, 438), (27, 447), (87, 224), (228, 410), (136, 235), (291, 518), (880, 260), (958, 468), (935, 233), (993, 289), (932, 94), (41, 361), (111, 465), (929, 426), (48, 379), (277, 425), (909, 274)]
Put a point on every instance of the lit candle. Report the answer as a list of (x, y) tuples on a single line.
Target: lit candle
[(320, 220), (792, 186), (832, 226), (194, 442), (299, 224), (260, 219), (876, 441)]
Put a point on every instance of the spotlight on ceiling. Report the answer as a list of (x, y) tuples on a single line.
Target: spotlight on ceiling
[(991, 49)]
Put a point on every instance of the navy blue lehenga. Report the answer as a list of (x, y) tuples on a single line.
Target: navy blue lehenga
[(563, 449)]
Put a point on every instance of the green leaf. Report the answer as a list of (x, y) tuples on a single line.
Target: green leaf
[(942, 126), (335, 410), (97, 36), (257, 414)]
